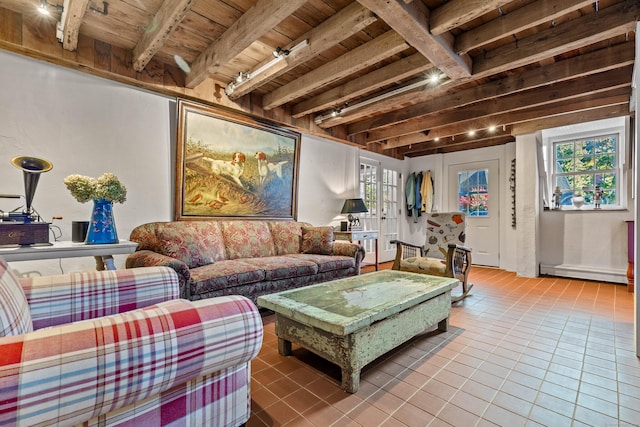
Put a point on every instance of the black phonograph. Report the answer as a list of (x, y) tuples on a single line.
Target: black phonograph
[(26, 227)]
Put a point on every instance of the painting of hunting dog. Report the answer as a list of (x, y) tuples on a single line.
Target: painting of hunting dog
[(229, 165)]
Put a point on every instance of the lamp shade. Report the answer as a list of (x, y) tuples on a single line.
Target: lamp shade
[(354, 206)]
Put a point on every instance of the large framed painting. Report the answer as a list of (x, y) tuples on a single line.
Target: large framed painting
[(232, 166)]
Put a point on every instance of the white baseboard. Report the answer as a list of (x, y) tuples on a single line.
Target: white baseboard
[(585, 272)]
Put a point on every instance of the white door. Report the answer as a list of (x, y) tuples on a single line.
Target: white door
[(380, 183), (474, 190)]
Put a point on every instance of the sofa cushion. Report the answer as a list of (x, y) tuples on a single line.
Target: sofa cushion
[(195, 243), (317, 240), (286, 236), (247, 239), (224, 274), (328, 262), (284, 267), (15, 317)]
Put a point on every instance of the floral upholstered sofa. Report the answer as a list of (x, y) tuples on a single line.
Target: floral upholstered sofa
[(243, 257)]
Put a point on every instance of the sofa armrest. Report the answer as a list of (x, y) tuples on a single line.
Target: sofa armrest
[(350, 249), (147, 258), (65, 298), (71, 373)]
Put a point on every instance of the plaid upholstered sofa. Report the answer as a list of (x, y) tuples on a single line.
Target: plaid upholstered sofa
[(117, 348), (241, 257)]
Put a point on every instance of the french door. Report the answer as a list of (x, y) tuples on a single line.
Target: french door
[(379, 188)]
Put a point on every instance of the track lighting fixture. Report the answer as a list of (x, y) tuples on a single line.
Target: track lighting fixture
[(44, 7), (278, 55), (431, 79)]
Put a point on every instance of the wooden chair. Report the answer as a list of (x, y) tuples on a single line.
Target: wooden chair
[(443, 254)]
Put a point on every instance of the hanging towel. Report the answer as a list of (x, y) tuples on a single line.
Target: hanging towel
[(426, 191), (418, 202), (410, 193)]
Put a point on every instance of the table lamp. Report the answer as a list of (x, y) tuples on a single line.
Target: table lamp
[(352, 206)]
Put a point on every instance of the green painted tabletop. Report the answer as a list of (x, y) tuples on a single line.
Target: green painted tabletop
[(346, 305)]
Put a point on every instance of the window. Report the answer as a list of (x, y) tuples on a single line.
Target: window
[(586, 158), (585, 165), (473, 192)]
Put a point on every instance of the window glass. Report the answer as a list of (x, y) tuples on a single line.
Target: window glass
[(585, 165), (473, 192)]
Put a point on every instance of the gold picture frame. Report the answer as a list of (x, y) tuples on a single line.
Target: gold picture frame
[(229, 165)]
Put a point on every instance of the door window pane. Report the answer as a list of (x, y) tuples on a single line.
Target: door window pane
[(473, 192)]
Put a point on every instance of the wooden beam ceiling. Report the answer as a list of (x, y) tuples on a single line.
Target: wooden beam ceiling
[(170, 14), (580, 66), (72, 20), (333, 31), (520, 64), (257, 21), (411, 20), (388, 44)]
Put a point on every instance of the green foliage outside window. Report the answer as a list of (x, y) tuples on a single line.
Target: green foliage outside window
[(583, 164)]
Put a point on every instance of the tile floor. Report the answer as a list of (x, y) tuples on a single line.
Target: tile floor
[(519, 351)]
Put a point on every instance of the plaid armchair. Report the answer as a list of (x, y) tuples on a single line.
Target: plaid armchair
[(134, 354)]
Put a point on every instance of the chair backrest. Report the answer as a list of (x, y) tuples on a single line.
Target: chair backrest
[(15, 317), (444, 228)]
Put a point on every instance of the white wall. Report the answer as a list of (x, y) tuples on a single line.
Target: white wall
[(88, 125), (439, 164), (587, 243)]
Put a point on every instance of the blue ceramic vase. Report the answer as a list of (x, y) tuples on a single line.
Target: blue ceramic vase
[(102, 228)]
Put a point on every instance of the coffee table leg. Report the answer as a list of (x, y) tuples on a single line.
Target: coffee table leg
[(350, 380), (443, 325), (284, 347)]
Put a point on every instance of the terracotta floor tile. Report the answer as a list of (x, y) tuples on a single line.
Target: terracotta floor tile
[(555, 404), (600, 405), (457, 416), (593, 417), (503, 417), (559, 391), (520, 351), (412, 416), (469, 403), (428, 402), (548, 417)]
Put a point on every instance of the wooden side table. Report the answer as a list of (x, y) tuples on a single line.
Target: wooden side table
[(358, 236)]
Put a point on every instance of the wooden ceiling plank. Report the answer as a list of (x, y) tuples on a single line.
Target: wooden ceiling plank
[(72, 15), (169, 16), (454, 13), (617, 56), (364, 56), (616, 96), (448, 147), (334, 30), (397, 71), (528, 16), (253, 24), (588, 29), (537, 53), (480, 111), (572, 118), (411, 20)]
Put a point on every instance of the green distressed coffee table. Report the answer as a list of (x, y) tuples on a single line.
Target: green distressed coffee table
[(353, 321)]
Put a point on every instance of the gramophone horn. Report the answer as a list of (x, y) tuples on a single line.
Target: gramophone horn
[(31, 167)]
